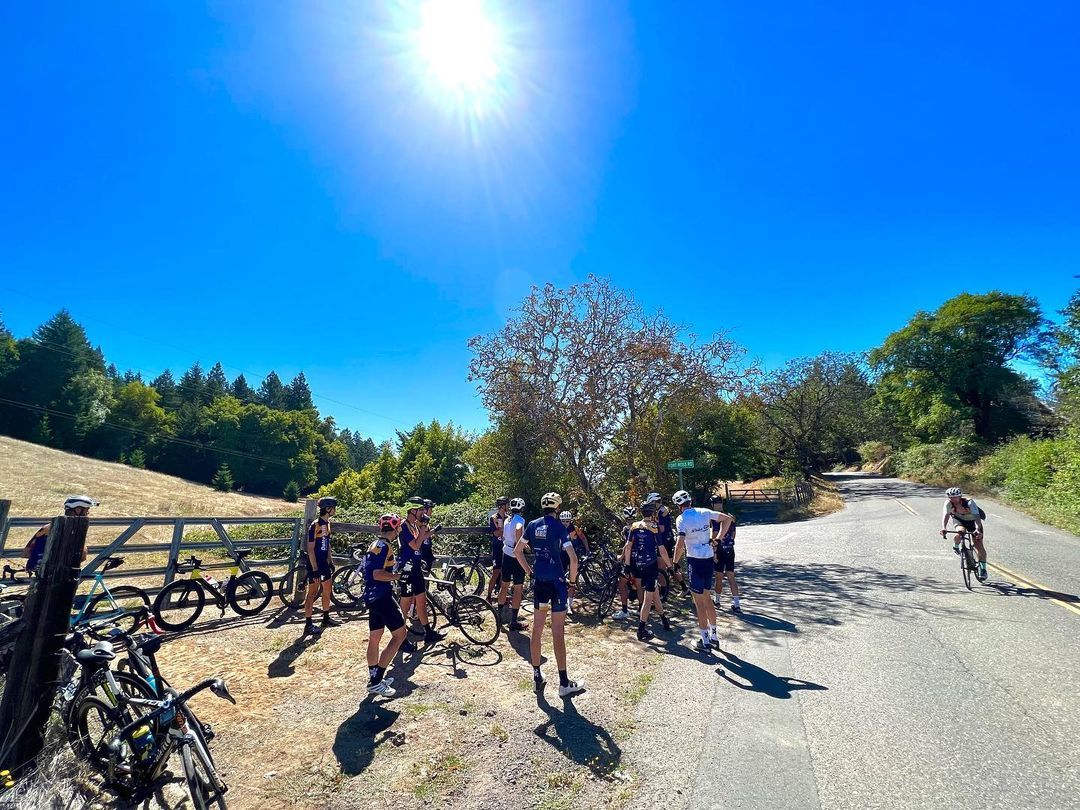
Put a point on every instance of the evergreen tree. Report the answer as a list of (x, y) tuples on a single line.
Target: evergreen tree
[(42, 432), (192, 387), (217, 384), (298, 394), (292, 492), (244, 392), (272, 392), (223, 480), (137, 458), (9, 354), (165, 385)]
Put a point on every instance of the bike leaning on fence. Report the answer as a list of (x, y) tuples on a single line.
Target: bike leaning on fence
[(474, 617), (180, 603), (119, 603)]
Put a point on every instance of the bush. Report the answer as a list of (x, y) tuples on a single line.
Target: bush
[(874, 452), (949, 463), (137, 459), (223, 480), (292, 492)]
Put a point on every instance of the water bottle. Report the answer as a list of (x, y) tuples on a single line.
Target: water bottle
[(141, 741), (210, 580), (69, 690)]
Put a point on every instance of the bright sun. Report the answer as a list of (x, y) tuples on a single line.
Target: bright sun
[(459, 46)]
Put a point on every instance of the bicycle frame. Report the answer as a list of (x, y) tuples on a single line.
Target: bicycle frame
[(99, 582), (219, 590)]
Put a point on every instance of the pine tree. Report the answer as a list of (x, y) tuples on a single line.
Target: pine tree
[(223, 480), (192, 387), (292, 492), (298, 394), (165, 385), (42, 432), (272, 392), (137, 458), (217, 384), (242, 391)]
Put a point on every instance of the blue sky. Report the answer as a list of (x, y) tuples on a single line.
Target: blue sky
[(278, 186)]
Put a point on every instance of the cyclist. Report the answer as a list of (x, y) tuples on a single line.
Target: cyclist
[(581, 548), (412, 534), (694, 527), (320, 567), (546, 536), (34, 550), (664, 521), (724, 558), (427, 548), (513, 573), (626, 580), (495, 527), (966, 514), (383, 611), (642, 556)]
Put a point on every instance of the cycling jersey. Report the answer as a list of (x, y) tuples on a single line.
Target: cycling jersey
[(495, 532), (405, 550), (379, 556), (547, 537), (663, 523), (645, 542), (319, 534), (967, 511), (728, 540), (509, 533), (694, 524), (37, 551)]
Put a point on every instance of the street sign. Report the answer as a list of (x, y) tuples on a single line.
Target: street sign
[(681, 464)]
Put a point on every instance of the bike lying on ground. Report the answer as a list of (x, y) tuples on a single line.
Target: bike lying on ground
[(180, 603), (969, 565)]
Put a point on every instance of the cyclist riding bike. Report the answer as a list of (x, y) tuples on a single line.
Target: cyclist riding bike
[(962, 512), (75, 506)]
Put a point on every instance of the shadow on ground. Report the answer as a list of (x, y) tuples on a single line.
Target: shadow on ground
[(753, 678), (576, 737), (359, 736)]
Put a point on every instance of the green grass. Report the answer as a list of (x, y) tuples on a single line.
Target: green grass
[(442, 777), (634, 693), (500, 733), (562, 790)]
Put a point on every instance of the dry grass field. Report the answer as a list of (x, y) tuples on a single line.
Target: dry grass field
[(36, 480)]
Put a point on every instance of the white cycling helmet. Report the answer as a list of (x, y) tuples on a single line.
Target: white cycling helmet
[(681, 498), (551, 500), (565, 516), (653, 497), (76, 501), (629, 512), (953, 492), (517, 504)]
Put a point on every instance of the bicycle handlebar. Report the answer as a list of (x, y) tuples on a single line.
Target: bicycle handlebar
[(216, 685)]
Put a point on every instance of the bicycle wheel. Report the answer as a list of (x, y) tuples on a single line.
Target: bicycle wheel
[(605, 599), (200, 783), (131, 686), (179, 604), (347, 588), (250, 592), (115, 602), (92, 729), (966, 566), (292, 588), (476, 619)]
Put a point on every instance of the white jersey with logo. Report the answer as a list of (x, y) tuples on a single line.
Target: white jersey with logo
[(966, 510), (510, 533), (695, 525)]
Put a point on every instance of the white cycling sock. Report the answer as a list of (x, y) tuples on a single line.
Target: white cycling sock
[(712, 631), (705, 636)]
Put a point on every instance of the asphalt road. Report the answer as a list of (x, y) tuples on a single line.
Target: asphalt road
[(863, 674)]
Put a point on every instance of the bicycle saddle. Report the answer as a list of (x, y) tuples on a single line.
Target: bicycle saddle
[(111, 563), (102, 651)]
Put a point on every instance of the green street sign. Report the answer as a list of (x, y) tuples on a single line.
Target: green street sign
[(681, 464)]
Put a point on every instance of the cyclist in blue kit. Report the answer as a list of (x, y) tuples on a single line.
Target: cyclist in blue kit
[(643, 556), (413, 533), (724, 558), (320, 567), (626, 580), (495, 530), (383, 610), (664, 522), (546, 536)]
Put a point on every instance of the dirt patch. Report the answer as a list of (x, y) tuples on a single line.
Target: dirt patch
[(467, 729)]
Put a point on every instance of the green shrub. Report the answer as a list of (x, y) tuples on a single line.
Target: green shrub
[(223, 480), (292, 492), (949, 463), (874, 452), (137, 459)]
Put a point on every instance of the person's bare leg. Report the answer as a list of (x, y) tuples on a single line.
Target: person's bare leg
[(373, 648), (558, 638), (539, 620), (388, 654)]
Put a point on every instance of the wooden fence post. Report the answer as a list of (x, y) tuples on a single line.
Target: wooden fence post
[(35, 664), (5, 507), (311, 511)]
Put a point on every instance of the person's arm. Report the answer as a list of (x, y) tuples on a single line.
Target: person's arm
[(418, 541), (944, 518), (519, 554), (725, 521), (664, 557), (975, 511), (584, 539), (569, 548), (680, 547), (311, 543), (384, 574), (28, 549)]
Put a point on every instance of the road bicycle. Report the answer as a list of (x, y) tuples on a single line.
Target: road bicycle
[(470, 575), (180, 603), (969, 566), (477, 620), (346, 589), (135, 757), (118, 604)]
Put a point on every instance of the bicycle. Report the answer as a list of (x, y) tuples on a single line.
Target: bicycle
[(135, 758), (471, 576), (180, 603), (113, 603), (969, 565), (477, 620), (347, 584)]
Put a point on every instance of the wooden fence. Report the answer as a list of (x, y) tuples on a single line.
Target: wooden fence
[(800, 494)]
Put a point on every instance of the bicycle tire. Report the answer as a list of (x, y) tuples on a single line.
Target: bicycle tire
[(289, 592), (189, 599), (347, 588), (250, 592), (116, 601), (130, 685), (473, 578), (476, 619), (204, 794), (966, 566), (92, 729)]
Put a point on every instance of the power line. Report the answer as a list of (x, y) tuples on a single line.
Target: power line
[(157, 436), (234, 368)]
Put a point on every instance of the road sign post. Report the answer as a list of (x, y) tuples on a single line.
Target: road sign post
[(680, 465)]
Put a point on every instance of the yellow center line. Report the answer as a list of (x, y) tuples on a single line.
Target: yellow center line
[(916, 514), (1020, 580)]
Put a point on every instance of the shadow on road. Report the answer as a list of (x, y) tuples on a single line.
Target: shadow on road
[(755, 679), (814, 596), (1009, 589), (576, 737), (358, 737)]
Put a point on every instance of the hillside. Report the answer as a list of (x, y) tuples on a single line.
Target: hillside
[(36, 480)]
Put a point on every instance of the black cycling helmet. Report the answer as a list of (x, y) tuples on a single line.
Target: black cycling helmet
[(327, 503), (428, 503), (648, 509), (502, 501), (716, 499), (415, 502)]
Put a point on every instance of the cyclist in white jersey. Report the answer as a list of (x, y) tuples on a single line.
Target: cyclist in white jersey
[(694, 530), (513, 575), (962, 512)]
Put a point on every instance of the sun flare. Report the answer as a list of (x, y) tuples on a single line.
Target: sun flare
[(459, 47)]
